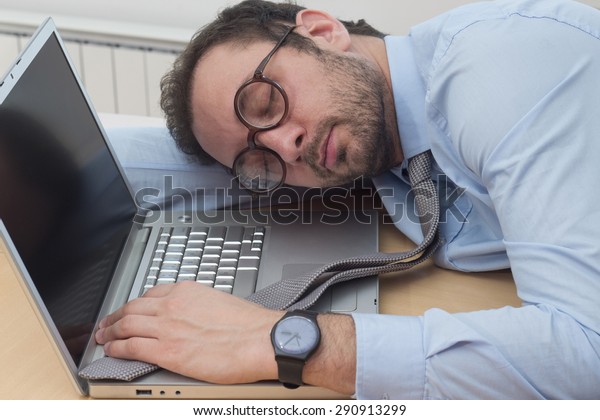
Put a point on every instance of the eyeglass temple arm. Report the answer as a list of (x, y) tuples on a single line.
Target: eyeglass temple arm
[(263, 64)]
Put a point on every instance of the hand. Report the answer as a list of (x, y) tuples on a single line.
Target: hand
[(195, 331)]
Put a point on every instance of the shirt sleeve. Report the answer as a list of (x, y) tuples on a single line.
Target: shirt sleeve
[(515, 110), (531, 352)]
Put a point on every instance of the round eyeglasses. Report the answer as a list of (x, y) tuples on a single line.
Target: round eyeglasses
[(261, 104)]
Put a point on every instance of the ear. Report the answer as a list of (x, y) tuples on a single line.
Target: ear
[(324, 27)]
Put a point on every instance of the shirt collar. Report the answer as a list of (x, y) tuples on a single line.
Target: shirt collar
[(409, 96)]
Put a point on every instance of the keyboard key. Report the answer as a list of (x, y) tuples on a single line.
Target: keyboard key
[(228, 263), (167, 275), (153, 271), (156, 263), (175, 248), (245, 283), (165, 281), (234, 235), (216, 234), (224, 280), (230, 254), (210, 259), (186, 277), (226, 271), (224, 283), (173, 256), (248, 235), (150, 280), (208, 268), (198, 232), (180, 241), (206, 279), (248, 264), (206, 283), (206, 276), (193, 252), (180, 232), (248, 250), (189, 269), (170, 266), (213, 249)]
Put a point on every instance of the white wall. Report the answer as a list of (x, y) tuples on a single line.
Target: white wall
[(177, 20), (391, 16)]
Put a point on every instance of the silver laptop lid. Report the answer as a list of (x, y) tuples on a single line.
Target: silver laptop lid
[(70, 209)]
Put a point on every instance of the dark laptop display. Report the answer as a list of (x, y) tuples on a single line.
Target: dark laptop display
[(69, 204)]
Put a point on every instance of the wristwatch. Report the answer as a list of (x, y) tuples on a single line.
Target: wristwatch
[(295, 338)]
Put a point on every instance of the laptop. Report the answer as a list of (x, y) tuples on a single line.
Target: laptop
[(81, 247)]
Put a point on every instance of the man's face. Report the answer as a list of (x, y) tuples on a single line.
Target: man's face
[(338, 124)]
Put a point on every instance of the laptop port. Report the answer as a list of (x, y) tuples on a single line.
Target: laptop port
[(143, 392)]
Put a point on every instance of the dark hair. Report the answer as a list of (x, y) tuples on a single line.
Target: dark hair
[(244, 23)]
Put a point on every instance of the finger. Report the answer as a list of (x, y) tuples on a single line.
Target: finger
[(159, 290), (127, 327), (135, 348), (146, 305)]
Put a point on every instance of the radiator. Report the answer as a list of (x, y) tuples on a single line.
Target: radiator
[(121, 74)]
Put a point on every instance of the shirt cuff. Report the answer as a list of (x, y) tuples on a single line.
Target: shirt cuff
[(390, 361)]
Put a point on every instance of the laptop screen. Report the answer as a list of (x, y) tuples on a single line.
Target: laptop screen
[(63, 199)]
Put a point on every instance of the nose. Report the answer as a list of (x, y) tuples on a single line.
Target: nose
[(286, 140)]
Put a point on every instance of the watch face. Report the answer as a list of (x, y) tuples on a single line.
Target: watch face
[(296, 335)]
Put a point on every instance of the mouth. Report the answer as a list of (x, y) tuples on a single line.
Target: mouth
[(328, 155)]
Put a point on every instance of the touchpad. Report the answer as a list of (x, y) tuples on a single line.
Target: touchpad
[(341, 297)]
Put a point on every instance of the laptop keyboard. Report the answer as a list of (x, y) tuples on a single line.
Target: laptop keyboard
[(226, 258)]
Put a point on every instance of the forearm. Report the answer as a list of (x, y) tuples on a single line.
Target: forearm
[(333, 365)]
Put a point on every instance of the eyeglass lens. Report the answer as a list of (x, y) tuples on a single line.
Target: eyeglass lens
[(259, 170), (262, 105)]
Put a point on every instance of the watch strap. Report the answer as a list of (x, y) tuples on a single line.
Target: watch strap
[(290, 371)]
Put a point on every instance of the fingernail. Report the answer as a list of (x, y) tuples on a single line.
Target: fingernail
[(99, 335)]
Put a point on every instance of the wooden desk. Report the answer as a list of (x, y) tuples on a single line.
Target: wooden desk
[(30, 369), (414, 291)]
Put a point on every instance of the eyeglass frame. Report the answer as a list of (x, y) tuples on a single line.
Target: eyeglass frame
[(253, 130)]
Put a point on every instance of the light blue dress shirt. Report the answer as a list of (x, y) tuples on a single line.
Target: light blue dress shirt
[(506, 94)]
